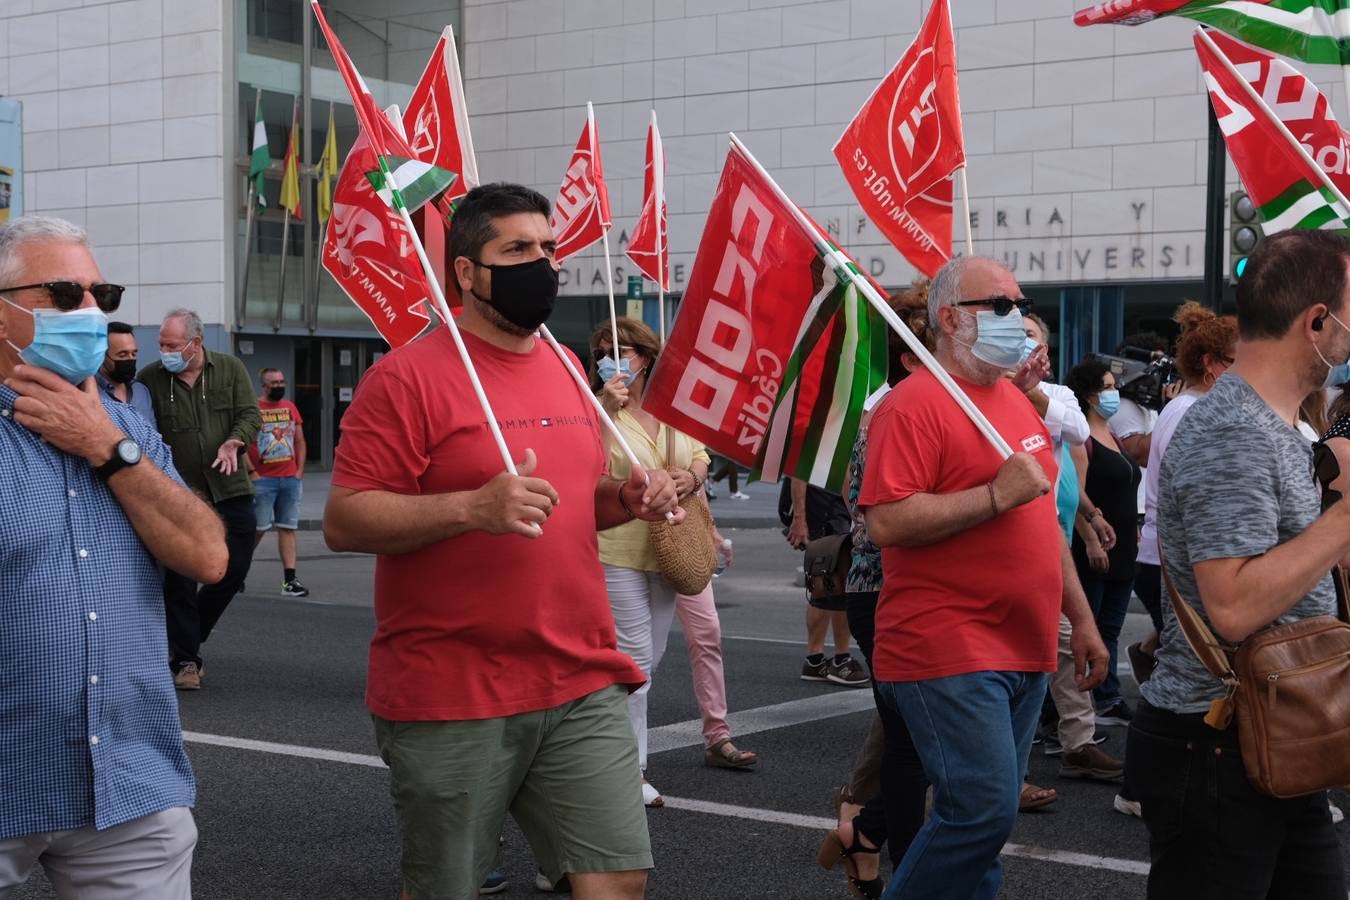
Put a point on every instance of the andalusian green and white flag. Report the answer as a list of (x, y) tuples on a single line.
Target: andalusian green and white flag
[(838, 361), (1282, 178), (1315, 31), (261, 159), (417, 182)]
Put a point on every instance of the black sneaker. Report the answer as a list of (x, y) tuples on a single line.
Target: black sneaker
[(848, 673), (1117, 713), (294, 588), (816, 671)]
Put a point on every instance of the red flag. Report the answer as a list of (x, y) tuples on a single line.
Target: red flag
[(1136, 12), (754, 278), (581, 212), (899, 152), (437, 125), (1290, 189), (437, 119), (649, 247), (370, 254)]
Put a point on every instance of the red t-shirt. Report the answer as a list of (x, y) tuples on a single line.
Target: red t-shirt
[(481, 626), (988, 598), (273, 450)]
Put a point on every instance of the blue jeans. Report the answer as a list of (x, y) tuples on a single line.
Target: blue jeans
[(277, 501), (973, 733), (1109, 601)]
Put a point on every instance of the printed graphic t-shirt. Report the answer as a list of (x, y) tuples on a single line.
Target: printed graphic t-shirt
[(480, 626), (273, 450), (987, 598)]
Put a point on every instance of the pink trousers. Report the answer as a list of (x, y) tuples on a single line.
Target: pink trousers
[(703, 637)]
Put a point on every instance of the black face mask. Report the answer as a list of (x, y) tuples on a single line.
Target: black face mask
[(123, 371), (275, 394), (524, 292)]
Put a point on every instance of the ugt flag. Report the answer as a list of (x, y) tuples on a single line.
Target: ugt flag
[(1315, 31), (1287, 190), (649, 248), (581, 212), (773, 352), (370, 254), (898, 154), (437, 119)]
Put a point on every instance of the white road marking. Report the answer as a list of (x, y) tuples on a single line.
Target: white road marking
[(836, 702), (820, 823)]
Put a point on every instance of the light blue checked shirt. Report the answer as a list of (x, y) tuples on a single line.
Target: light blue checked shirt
[(89, 731)]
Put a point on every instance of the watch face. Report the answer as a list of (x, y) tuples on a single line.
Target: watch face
[(129, 451)]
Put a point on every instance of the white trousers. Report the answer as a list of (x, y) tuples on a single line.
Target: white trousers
[(644, 608), (149, 858)]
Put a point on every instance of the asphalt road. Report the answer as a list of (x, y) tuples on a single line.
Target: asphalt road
[(280, 820)]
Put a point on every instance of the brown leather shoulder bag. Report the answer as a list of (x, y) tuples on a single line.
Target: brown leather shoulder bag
[(1290, 686)]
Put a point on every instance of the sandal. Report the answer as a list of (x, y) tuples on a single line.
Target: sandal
[(724, 755), (1034, 797), (832, 851)]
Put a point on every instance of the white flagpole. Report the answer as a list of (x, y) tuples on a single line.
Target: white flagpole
[(242, 300), (581, 382), (659, 199), (965, 213), (1345, 76), (840, 262), (286, 222), (604, 230)]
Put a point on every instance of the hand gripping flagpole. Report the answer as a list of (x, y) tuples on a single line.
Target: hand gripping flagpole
[(442, 308), (841, 265)]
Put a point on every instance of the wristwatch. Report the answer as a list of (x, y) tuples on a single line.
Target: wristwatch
[(126, 452)]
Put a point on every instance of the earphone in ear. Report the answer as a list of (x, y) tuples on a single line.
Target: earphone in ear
[(1317, 323)]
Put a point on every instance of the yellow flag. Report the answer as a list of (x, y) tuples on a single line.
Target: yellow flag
[(290, 174), (328, 169)]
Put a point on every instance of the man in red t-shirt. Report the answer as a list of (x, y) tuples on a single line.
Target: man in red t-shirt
[(495, 679), (975, 574), (276, 460)]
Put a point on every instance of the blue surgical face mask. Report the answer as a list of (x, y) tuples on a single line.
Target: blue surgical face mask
[(1028, 349), (175, 362), (1337, 375), (71, 344), (606, 369), (999, 340), (1108, 404)]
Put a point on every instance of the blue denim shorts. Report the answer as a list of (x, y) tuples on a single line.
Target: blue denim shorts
[(276, 501)]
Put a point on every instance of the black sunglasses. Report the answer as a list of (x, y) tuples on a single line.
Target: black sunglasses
[(1002, 305), (68, 295)]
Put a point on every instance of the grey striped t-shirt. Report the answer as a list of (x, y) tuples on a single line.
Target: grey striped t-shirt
[(1236, 481)]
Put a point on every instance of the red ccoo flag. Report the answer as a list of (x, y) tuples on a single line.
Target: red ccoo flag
[(649, 247), (898, 154), (581, 212)]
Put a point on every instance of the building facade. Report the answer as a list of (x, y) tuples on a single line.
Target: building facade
[(1086, 147)]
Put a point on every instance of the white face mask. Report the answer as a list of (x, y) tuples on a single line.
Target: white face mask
[(1336, 374)]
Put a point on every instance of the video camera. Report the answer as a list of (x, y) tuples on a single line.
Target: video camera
[(1142, 374)]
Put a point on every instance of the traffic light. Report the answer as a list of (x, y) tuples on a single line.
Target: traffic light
[(1244, 231)]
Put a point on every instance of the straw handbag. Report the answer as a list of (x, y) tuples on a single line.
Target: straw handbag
[(685, 552)]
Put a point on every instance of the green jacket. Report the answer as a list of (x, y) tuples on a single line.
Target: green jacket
[(196, 420)]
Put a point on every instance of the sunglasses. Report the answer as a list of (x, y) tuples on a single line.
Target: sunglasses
[(1002, 305), (68, 295)]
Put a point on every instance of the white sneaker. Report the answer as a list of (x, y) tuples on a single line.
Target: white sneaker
[(1337, 817), (740, 496), (1128, 807), (651, 796)]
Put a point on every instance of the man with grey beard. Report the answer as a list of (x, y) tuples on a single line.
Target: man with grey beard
[(976, 574)]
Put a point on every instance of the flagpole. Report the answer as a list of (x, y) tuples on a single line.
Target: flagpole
[(965, 212), (286, 220), (312, 319), (1345, 78), (590, 395), (242, 300), (438, 294), (841, 263), (1278, 122), (613, 316)]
